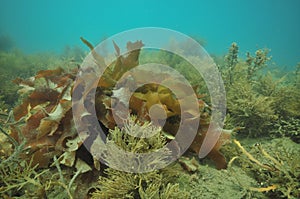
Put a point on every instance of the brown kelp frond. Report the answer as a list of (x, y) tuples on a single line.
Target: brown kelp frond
[(98, 58), (45, 112)]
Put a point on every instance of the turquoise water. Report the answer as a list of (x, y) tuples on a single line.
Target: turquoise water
[(37, 25)]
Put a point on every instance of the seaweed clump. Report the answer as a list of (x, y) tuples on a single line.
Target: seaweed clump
[(274, 165), (44, 115), (18, 177), (246, 107), (257, 99), (43, 121), (145, 97), (154, 184)]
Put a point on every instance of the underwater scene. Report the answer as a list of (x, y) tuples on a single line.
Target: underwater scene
[(149, 99)]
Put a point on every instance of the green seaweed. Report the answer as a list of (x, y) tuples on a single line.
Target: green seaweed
[(154, 184), (274, 165), (19, 177), (287, 128), (257, 99)]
